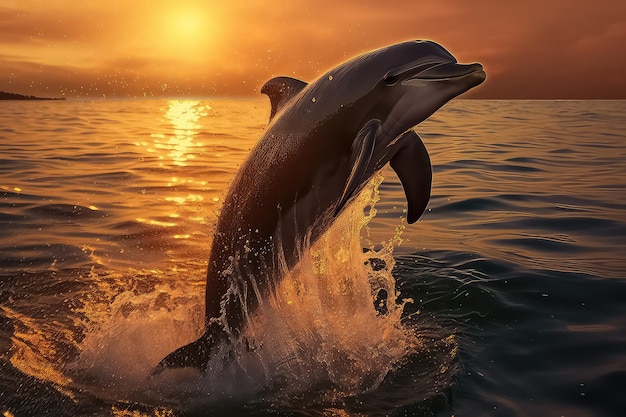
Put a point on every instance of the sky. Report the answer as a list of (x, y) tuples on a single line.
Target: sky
[(533, 49)]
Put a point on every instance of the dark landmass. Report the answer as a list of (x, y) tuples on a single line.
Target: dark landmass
[(13, 96)]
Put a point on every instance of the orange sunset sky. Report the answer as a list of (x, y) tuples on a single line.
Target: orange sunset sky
[(531, 49)]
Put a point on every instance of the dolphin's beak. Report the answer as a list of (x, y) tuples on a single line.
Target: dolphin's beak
[(448, 71)]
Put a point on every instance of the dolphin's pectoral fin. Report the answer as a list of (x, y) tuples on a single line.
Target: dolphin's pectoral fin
[(280, 90), (412, 164), (196, 354), (362, 150)]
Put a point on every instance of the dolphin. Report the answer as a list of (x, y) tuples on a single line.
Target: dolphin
[(324, 141)]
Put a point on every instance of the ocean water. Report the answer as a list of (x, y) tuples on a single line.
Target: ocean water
[(506, 299)]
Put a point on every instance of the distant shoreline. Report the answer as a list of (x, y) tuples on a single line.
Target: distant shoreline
[(13, 96)]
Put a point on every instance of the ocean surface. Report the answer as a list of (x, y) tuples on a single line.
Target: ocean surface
[(507, 298)]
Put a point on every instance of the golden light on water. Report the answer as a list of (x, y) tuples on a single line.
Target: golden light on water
[(189, 198), (174, 147), (155, 222), (9, 188), (34, 350), (181, 145)]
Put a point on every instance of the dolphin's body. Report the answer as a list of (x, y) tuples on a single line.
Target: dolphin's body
[(324, 142)]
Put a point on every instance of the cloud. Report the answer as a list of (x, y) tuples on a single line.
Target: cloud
[(560, 48)]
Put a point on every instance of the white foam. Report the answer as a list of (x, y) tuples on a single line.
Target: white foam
[(319, 328)]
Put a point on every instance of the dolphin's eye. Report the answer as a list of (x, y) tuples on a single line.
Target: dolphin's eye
[(391, 79)]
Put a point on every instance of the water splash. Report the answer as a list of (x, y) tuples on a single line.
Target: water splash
[(321, 325), (331, 330)]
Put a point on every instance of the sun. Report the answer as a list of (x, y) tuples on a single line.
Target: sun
[(184, 32), (189, 25)]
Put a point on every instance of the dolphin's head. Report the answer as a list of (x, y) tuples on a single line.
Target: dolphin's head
[(403, 84), (409, 62), (415, 79)]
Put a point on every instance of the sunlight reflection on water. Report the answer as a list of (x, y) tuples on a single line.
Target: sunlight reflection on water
[(181, 144)]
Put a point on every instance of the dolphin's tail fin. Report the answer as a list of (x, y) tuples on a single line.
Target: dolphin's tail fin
[(196, 354)]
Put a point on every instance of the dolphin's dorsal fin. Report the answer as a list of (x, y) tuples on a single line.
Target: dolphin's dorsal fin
[(412, 164), (362, 150), (280, 90)]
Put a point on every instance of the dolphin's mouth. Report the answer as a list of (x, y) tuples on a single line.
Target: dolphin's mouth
[(436, 70), (447, 71)]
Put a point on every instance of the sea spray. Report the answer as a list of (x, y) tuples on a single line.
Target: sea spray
[(322, 333), (321, 325)]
